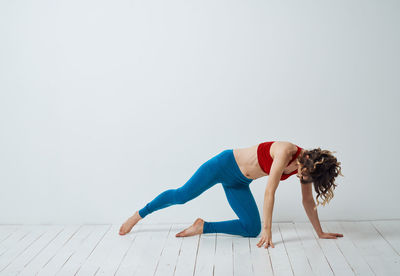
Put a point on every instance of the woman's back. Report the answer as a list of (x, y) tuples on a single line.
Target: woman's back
[(248, 159)]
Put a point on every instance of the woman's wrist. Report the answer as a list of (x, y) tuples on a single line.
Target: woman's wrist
[(266, 227)]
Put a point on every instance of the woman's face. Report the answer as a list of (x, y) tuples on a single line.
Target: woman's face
[(303, 178)]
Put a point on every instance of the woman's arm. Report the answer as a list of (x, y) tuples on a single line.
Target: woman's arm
[(268, 207), (277, 167), (309, 207)]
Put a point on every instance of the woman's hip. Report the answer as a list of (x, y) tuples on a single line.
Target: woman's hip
[(227, 169)]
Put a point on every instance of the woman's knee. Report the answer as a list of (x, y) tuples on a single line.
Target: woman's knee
[(253, 228)]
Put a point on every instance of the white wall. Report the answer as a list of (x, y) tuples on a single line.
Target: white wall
[(105, 104)]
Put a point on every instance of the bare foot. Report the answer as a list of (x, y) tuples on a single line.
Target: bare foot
[(129, 223), (194, 229)]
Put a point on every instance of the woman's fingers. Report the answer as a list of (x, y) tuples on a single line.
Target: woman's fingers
[(336, 234), (269, 244), (330, 235)]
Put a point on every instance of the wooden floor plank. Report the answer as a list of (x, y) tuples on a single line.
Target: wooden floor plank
[(67, 250), (380, 256), (157, 237), (223, 260), (16, 266), (81, 261), (314, 253), (141, 234), (169, 255), (187, 255), (125, 244), (260, 258), (7, 230), (12, 240), (335, 258), (295, 251), (45, 256), (349, 250), (367, 248), (35, 232), (119, 246), (279, 257), (241, 256), (143, 256), (205, 255), (389, 230)]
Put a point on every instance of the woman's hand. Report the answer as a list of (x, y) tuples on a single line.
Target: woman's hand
[(266, 237), (329, 235)]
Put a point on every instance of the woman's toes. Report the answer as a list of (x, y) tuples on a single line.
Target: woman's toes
[(125, 228), (184, 233), (180, 234)]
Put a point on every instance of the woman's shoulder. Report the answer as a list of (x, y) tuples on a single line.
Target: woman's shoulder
[(283, 147)]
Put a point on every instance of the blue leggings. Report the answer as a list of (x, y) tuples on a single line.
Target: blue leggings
[(221, 168)]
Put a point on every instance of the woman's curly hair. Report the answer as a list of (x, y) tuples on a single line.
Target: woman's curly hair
[(321, 168)]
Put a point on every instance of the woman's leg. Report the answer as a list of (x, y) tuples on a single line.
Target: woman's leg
[(205, 177), (240, 198), (243, 204), (201, 180)]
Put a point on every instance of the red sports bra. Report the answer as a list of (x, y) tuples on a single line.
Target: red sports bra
[(265, 160)]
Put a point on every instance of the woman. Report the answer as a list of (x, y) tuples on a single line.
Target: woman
[(236, 169)]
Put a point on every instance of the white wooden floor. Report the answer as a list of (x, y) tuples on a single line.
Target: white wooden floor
[(367, 248)]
